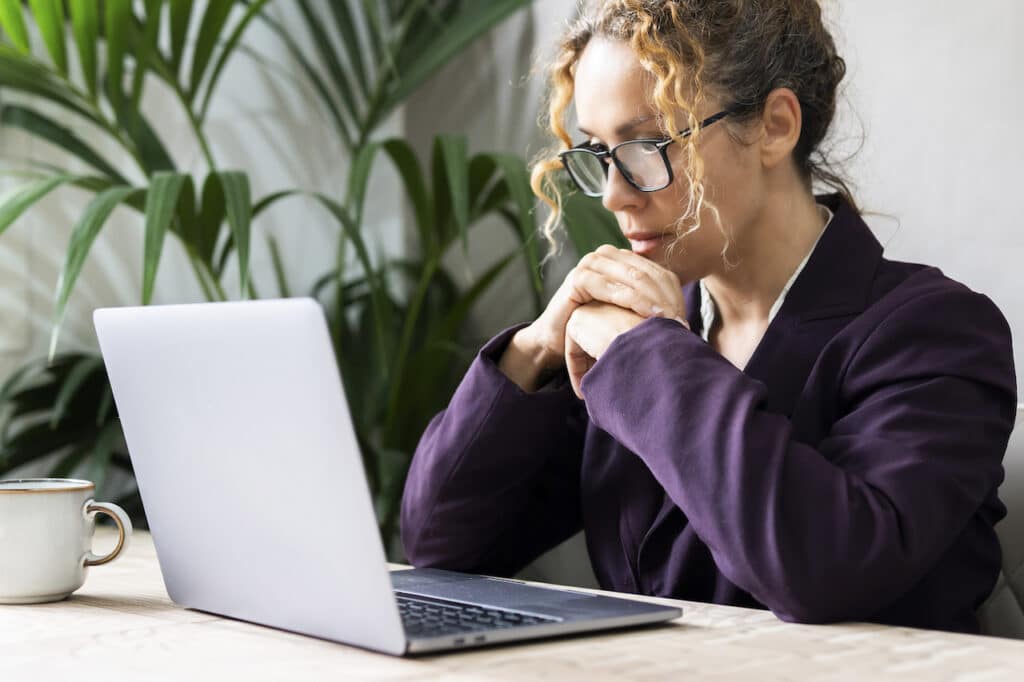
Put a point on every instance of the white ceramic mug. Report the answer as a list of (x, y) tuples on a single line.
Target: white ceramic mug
[(46, 527)]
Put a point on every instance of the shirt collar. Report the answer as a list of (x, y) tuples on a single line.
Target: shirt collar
[(708, 310)]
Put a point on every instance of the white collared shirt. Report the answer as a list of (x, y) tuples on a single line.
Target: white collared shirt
[(708, 311)]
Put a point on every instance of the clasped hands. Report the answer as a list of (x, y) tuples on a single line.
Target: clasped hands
[(609, 292)]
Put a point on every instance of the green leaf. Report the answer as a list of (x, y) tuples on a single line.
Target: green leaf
[(275, 256), (229, 48), (49, 15), (378, 289), (377, 33), (69, 462), (359, 178), (181, 14), (85, 24), (35, 442), (82, 237), (455, 164), (117, 25), (161, 202), (16, 202), (210, 27), (146, 48), (404, 159), (13, 23), (238, 204), (345, 23), (101, 454), (351, 99), (408, 166), (518, 180), (458, 313), (588, 223), (185, 212), (152, 153), (271, 199), (52, 132), (106, 402), (415, 68), (23, 74), (486, 190), (405, 343), (74, 380), (203, 236), (343, 126), (13, 382)]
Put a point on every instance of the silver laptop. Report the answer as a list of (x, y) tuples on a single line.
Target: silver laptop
[(253, 485)]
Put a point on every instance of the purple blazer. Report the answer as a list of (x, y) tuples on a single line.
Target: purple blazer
[(848, 473)]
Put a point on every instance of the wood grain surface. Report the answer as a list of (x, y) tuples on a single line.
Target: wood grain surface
[(122, 626)]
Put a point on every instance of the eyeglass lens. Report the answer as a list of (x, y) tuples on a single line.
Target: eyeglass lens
[(641, 162)]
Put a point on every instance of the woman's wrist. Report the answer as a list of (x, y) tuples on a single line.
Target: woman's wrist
[(526, 361)]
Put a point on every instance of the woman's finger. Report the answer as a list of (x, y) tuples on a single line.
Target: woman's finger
[(664, 282), (591, 285), (625, 280), (577, 361)]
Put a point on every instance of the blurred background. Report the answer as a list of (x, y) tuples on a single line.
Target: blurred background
[(373, 154)]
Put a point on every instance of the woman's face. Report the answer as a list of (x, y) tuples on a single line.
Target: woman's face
[(613, 105)]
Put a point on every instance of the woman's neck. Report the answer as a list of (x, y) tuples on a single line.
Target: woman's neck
[(771, 250)]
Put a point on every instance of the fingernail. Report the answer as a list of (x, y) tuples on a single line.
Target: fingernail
[(657, 310)]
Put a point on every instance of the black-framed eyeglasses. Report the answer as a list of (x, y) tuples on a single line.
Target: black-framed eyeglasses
[(643, 163)]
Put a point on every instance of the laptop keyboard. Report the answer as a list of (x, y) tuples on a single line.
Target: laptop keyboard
[(426, 617)]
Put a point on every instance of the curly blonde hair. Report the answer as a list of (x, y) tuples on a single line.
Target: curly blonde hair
[(737, 51)]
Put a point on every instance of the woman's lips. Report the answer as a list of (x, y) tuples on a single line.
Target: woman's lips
[(642, 243)]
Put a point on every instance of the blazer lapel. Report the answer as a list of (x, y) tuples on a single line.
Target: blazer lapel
[(834, 287)]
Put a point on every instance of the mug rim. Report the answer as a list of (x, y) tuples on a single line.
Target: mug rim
[(82, 485)]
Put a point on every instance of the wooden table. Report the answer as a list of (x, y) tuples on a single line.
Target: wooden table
[(122, 626)]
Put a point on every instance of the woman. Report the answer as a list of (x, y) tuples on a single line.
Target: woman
[(751, 406)]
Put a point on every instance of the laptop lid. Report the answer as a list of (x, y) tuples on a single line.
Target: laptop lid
[(248, 466)]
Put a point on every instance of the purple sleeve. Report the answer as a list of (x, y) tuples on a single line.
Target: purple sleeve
[(840, 530), (495, 480)]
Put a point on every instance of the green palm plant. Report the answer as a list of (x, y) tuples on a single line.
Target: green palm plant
[(108, 103), (92, 63)]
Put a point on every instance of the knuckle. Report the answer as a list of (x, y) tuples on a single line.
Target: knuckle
[(582, 278)]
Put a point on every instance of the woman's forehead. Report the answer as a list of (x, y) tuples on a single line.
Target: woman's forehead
[(612, 89)]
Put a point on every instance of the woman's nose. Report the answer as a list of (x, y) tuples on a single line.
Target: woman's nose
[(619, 195)]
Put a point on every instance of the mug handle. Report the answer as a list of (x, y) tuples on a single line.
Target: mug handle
[(124, 531)]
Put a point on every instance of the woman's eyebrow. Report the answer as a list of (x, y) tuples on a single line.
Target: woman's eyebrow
[(625, 127)]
